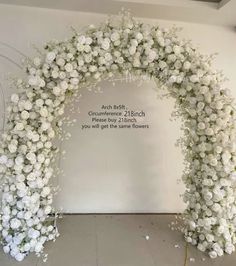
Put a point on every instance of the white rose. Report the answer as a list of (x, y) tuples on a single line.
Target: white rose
[(108, 57), (207, 195), (213, 162), (28, 215), (39, 102), (213, 254), (152, 55), (33, 81), (64, 85), (105, 44), (14, 98), (187, 65), (32, 233), (45, 126), (201, 125), (201, 247), (51, 134), (209, 238), (89, 40), (172, 79), (20, 178), (80, 47), (45, 191), (139, 36), (162, 64), (41, 158), (219, 105), (43, 112), (28, 105), (60, 61), (200, 105), (55, 74), (177, 49), (233, 176), (25, 115), (37, 61), (194, 78), (68, 67), (206, 80), (56, 91), (27, 247), (115, 36), (92, 68), (229, 248), (35, 137), (132, 50), (74, 74), (31, 176), (12, 148), (6, 249), (220, 252), (81, 39), (48, 144), (47, 210), (15, 223), (38, 247), (226, 156), (3, 159), (20, 186), (97, 75), (209, 131), (50, 57), (19, 126)]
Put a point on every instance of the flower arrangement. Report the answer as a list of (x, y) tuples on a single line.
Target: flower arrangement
[(120, 46)]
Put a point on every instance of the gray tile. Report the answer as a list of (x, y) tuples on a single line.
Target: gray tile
[(120, 242), (200, 258), (76, 246), (162, 241), (7, 260)]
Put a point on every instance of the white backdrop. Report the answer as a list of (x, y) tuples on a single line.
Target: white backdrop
[(114, 170)]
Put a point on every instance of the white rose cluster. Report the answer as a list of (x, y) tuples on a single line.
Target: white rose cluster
[(35, 117)]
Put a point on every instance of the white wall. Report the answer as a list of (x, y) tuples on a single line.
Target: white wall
[(112, 170)]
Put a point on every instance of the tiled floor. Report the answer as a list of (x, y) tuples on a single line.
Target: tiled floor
[(119, 240)]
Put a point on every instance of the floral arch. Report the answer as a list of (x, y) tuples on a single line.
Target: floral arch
[(119, 46)]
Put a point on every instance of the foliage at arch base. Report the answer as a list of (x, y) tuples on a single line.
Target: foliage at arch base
[(120, 46)]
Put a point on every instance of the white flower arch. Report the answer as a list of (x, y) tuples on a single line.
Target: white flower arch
[(119, 46)]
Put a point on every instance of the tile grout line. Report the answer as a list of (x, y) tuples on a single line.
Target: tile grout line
[(150, 253), (119, 213), (96, 241), (186, 254), (37, 262), (148, 248)]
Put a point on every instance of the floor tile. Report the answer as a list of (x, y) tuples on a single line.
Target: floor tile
[(120, 242), (7, 260), (77, 244)]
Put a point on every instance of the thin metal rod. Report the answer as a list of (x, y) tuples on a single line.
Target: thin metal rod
[(13, 48), (10, 60), (4, 108)]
